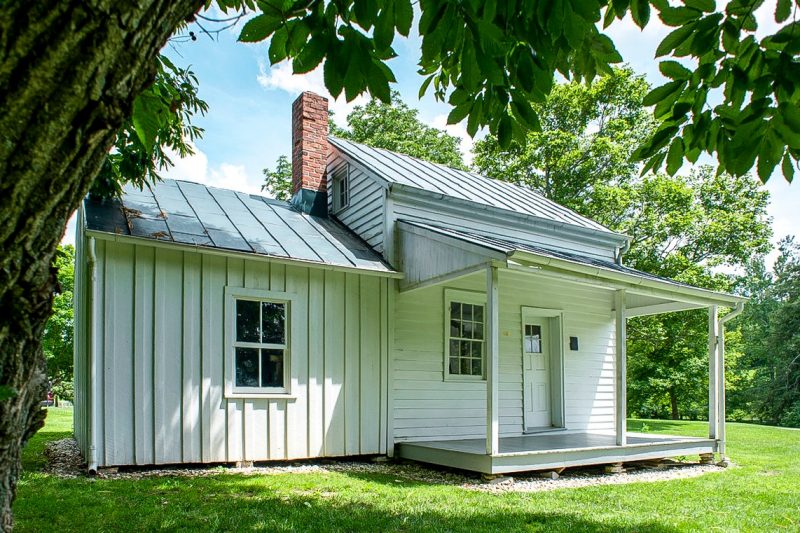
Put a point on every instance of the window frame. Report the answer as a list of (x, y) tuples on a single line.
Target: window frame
[(464, 297), (232, 294), (340, 183)]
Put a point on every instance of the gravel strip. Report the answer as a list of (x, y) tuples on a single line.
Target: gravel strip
[(64, 460)]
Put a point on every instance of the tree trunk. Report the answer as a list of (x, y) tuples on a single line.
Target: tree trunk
[(673, 403), (69, 71)]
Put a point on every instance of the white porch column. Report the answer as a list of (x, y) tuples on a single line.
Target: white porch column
[(620, 366), (713, 374), (721, 389), (492, 363)]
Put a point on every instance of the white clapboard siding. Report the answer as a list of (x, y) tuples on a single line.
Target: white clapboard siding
[(160, 361), (364, 212), (428, 407), (467, 220)]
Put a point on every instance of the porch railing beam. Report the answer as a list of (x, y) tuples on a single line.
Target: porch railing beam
[(620, 367), (492, 362)]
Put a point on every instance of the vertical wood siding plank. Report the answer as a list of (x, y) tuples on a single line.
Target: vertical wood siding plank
[(387, 374), (370, 382), (297, 420), (143, 355), (277, 408), (334, 363), (256, 422), (192, 422), (99, 331), (213, 359), (167, 371), (352, 356), (316, 363), (235, 432)]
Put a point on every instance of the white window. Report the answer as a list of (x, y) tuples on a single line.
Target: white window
[(341, 188), (257, 338), (465, 333)]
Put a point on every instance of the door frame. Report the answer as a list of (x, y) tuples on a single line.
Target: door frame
[(555, 319)]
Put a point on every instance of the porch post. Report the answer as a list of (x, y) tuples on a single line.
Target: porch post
[(492, 363), (620, 367), (721, 390), (713, 374)]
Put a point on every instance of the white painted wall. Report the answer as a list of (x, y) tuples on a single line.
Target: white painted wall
[(161, 358), (427, 407), (364, 214)]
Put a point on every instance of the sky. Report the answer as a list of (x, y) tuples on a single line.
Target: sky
[(248, 125)]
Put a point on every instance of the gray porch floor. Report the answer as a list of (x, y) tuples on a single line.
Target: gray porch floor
[(551, 450)]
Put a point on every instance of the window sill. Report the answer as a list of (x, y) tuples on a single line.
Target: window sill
[(261, 395), (462, 379)]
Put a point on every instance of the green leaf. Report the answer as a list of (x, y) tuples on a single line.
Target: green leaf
[(504, 131), (378, 84), (311, 55), (277, 45), (403, 16), (525, 70), (384, 29), (674, 70), (425, 84), (659, 93), (675, 156), (674, 39), (332, 75), (640, 12), (526, 114), (788, 168), (149, 113), (470, 75), (459, 112), (703, 5), (365, 13), (259, 28), (782, 10)]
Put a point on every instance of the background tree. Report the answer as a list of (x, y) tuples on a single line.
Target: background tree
[(394, 126), (57, 340)]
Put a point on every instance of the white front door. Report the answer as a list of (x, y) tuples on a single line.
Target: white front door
[(536, 372)]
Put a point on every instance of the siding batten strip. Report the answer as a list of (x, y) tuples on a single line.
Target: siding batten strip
[(492, 363), (620, 367)]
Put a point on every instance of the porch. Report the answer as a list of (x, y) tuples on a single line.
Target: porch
[(552, 450)]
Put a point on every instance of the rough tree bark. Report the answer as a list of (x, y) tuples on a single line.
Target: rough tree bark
[(69, 71)]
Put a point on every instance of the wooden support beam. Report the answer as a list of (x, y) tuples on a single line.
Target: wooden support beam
[(620, 367), (713, 374), (721, 390), (492, 362)]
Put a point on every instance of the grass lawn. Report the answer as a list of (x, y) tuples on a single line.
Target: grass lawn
[(761, 493)]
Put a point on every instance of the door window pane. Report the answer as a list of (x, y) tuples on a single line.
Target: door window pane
[(533, 338)]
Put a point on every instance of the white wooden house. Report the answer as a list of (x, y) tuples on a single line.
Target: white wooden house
[(394, 306)]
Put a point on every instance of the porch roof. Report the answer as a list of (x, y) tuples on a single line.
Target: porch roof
[(646, 293)]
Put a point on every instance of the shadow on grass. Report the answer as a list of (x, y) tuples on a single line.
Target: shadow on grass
[(278, 503), (676, 427)]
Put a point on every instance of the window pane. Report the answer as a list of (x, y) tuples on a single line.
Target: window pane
[(477, 349), (477, 313), (454, 365), (478, 333), (467, 327), (533, 338), (466, 367), (271, 368), (476, 367), (273, 323), (247, 329), (246, 367), (455, 311), (466, 311), (455, 330), (453, 349), (465, 349)]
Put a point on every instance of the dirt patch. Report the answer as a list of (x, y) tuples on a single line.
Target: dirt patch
[(64, 458)]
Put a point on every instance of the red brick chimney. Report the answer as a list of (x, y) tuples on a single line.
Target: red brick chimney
[(310, 153)]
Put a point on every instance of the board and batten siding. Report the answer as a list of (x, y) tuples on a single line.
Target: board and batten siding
[(428, 407), (364, 213), (161, 359)]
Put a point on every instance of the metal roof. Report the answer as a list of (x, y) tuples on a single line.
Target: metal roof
[(508, 248), (193, 214), (416, 173)]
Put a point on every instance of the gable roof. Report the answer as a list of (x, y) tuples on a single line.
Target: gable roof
[(188, 213), (409, 171)]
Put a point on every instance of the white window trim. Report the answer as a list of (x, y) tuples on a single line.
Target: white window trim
[(341, 174), (231, 295), (467, 297)]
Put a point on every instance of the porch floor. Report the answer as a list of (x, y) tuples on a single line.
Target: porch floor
[(551, 450)]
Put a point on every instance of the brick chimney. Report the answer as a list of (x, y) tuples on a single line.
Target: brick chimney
[(310, 153)]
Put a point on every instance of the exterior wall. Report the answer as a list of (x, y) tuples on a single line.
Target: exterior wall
[(364, 214), (81, 379), (161, 361), (427, 407)]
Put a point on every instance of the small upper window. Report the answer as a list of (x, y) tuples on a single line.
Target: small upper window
[(259, 344), (465, 346), (341, 188)]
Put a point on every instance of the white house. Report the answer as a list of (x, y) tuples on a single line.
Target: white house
[(394, 306)]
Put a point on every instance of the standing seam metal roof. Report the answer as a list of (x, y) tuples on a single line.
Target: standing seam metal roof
[(191, 213), (412, 172)]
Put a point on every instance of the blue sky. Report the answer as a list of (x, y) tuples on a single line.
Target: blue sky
[(248, 123)]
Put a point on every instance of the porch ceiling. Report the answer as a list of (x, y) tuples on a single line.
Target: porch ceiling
[(432, 254)]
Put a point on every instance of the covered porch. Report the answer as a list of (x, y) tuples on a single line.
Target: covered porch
[(455, 255)]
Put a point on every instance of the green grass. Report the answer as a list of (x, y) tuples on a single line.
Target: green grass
[(761, 493)]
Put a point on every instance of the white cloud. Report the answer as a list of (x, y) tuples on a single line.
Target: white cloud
[(280, 77), (226, 175)]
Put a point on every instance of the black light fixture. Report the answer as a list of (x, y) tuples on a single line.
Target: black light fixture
[(573, 344)]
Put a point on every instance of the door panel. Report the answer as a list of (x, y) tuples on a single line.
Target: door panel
[(536, 373)]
